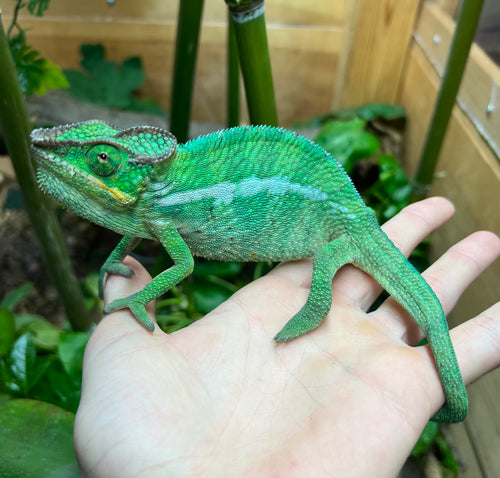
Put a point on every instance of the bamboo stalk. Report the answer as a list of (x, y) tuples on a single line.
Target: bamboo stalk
[(250, 29), (15, 127), (186, 49), (463, 37), (233, 77)]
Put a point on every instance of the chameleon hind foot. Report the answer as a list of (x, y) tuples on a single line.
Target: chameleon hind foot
[(326, 262), (137, 307), (301, 323)]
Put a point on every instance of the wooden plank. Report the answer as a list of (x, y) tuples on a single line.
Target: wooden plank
[(278, 12), (483, 422), (468, 174), (450, 7), (295, 53), (481, 81), (382, 34), (101, 11), (458, 437)]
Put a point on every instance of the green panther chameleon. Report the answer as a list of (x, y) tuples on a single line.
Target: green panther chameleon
[(255, 193)]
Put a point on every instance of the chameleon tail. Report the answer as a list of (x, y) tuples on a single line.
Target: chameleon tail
[(382, 260)]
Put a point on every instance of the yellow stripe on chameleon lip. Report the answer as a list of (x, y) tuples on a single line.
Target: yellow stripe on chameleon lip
[(124, 198)]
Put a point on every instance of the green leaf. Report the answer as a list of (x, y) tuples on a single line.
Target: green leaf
[(172, 322), (107, 83), (7, 331), (22, 369), (36, 439), (59, 388), (45, 336), (14, 297), (92, 57), (391, 193), (447, 459), (370, 112), (38, 7), (426, 439), (23, 321), (347, 141), (132, 74), (71, 349), (36, 74), (209, 296), (218, 269), (22, 360)]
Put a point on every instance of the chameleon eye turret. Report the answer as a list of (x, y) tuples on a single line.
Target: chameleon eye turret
[(104, 159)]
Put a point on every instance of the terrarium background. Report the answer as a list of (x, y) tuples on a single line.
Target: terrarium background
[(340, 53)]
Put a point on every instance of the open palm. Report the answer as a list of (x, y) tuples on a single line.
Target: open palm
[(220, 398)]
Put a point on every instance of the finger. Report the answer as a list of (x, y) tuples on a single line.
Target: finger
[(448, 277), (477, 344), (117, 287)]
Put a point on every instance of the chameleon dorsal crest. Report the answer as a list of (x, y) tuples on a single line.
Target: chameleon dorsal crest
[(143, 144)]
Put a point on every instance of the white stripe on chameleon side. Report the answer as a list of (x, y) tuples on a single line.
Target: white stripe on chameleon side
[(225, 192)]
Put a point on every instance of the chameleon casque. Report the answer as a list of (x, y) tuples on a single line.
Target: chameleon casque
[(254, 193)]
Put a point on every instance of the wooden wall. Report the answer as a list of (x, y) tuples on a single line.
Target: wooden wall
[(468, 173), (318, 50)]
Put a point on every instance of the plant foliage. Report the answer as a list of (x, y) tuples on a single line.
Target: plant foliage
[(36, 74), (108, 84), (38, 360)]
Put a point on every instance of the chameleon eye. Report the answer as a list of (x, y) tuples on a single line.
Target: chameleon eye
[(104, 159)]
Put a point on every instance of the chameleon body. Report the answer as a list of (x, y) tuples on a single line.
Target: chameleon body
[(243, 194)]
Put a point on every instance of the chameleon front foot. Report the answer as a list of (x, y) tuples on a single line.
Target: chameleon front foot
[(117, 268), (137, 308)]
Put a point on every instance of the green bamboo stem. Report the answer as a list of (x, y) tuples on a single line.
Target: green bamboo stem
[(233, 77), (250, 30), (186, 48), (457, 58), (15, 127)]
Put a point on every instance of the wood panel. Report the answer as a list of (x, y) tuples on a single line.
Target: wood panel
[(450, 7), (480, 86), (382, 34), (468, 173), (278, 12), (305, 46)]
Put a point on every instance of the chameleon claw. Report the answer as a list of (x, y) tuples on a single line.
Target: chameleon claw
[(287, 333), (117, 268), (137, 308)]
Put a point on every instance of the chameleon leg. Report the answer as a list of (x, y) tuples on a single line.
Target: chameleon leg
[(183, 266), (113, 264), (326, 262)]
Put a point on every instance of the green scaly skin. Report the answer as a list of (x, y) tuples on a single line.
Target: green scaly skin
[(243, 194)]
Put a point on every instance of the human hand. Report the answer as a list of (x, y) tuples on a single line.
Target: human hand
[(220, 398)]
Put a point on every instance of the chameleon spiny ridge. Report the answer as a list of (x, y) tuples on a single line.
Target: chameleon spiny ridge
[(254, 193)]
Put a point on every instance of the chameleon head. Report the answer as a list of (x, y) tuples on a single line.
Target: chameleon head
[(92, 166)]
